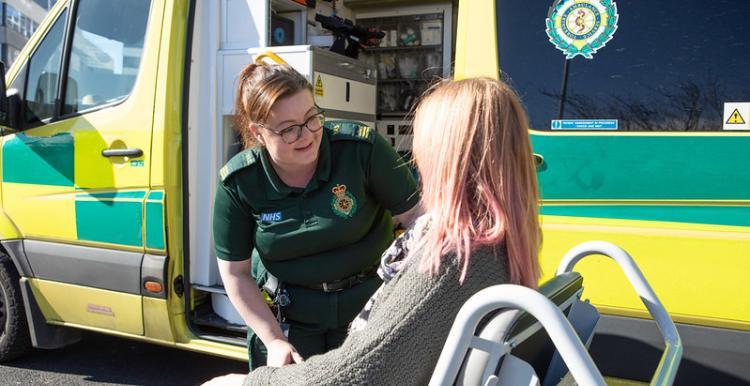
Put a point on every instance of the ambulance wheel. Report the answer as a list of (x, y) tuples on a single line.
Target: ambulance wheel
[(14, 330)]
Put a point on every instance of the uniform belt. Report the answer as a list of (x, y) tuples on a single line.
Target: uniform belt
[(345, 283)]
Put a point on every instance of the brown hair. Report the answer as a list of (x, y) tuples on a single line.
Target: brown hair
[(260, 86)]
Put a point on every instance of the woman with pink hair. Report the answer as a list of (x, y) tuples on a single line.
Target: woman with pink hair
[(480, 228)]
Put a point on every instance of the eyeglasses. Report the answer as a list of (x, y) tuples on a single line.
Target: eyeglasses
[(292, 133)]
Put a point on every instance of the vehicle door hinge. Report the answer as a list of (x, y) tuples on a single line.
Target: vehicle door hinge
[(179, 286)]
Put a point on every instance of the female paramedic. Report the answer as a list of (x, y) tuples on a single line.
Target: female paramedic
[(315, 204), (480, 228)]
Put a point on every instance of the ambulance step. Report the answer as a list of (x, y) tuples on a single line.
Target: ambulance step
[(205, 317)]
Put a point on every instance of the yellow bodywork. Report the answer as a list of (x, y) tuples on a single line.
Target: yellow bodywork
[(476, 31), (87, 306), (31, 206), (8, 229), (168, 147), (120, 314), (156, 319), (681, 249), (122, 125)]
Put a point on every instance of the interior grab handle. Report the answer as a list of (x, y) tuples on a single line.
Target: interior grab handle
[(270, 55)]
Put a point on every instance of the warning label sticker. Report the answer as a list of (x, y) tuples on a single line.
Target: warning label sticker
[(736, 116), (318, 86)]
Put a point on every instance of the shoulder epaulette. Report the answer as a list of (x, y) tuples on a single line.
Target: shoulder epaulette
[(350, 130), (241, 160)]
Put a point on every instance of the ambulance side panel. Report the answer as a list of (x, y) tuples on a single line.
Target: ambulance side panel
[(637, 146)]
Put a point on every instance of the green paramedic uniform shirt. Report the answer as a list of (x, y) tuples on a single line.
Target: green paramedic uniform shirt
[(334, 228)]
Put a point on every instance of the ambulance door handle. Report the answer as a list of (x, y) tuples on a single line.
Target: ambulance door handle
[(132, 153), (538, 160)]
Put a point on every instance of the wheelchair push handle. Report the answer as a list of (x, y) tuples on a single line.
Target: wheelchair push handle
[(670, 360), (511, 296)]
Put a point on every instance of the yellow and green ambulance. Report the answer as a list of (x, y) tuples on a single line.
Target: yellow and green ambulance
[(117, 119)]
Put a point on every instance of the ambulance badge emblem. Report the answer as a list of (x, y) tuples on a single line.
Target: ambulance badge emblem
[(343, 203), (581, 27)]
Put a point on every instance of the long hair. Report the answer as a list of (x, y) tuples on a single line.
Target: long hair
[(259, 87), (472, 149)]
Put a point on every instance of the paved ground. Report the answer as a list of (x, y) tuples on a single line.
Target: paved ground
[(101, 359)]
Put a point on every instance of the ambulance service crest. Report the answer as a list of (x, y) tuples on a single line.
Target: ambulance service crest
[(343, 203), (582, 27)]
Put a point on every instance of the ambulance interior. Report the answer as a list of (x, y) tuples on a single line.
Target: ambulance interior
[(378, 88)]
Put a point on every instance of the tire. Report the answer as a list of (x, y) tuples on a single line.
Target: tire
[(14, 330)]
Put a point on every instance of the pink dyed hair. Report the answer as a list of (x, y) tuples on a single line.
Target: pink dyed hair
[(478, 176)]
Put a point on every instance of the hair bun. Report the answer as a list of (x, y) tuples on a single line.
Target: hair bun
[(248, 71)]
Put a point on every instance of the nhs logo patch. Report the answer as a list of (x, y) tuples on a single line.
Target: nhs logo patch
[(270, 217)]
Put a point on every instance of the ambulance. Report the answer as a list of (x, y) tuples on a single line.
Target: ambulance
[(116, 118)]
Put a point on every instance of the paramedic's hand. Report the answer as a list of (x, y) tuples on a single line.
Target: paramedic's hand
[(281, 352), (227, 380)]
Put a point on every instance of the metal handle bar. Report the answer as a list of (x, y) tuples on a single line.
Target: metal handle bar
[(270, 55), (670, 360), (513, 296)]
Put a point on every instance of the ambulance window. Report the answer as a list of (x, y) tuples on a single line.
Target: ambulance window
[(107, 49), (672, 65), (44, 66)]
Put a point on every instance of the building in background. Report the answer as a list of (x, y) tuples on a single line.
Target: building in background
[(19, 20)]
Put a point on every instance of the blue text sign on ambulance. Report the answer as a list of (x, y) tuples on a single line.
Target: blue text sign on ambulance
[(584, 124)]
